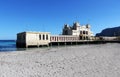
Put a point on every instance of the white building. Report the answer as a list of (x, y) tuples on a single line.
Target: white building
[(76, 33), (83, 32), (26, 39)]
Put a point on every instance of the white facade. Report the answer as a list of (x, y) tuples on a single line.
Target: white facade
[(83, 31), (33, 38)]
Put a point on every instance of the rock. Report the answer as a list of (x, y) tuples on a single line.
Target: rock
[(110, 32)]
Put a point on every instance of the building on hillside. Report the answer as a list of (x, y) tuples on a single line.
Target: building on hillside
[(84, 32)]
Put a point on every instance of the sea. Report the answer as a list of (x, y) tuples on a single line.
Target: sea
[(7, 45)]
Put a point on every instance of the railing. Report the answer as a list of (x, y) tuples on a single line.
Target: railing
[(63, 38)]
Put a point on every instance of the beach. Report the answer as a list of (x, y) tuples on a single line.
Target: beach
[(100, 60)]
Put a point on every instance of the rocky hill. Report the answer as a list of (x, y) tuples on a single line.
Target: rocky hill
[(110, 32)]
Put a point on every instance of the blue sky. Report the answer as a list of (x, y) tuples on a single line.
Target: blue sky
[(50, 15)]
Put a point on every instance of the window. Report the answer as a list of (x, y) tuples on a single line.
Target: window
[(80, 32), (80, 37), (84, 38), (83, 32), (87, 38), (40, 37), (86, 32), (66, 32), (43, 37), (52, 38), (55, 38), (46, 37)]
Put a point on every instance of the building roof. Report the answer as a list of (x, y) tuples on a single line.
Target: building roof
[(34, 32)]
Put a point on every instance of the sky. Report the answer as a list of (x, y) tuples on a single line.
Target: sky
[(51, 15)]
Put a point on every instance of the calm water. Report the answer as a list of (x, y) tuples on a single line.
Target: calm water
[(7, 45)]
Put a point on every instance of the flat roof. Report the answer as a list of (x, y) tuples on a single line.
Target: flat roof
[(34, 32)]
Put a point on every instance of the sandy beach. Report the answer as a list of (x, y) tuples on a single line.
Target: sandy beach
[(102, 60)]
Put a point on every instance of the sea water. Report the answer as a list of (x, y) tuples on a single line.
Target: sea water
[(7, 45)]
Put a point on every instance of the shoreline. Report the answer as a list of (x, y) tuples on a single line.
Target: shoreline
[(15, 49)]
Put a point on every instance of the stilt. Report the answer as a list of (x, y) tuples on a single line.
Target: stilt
[(65, 43), (26, 46), (48, 45), (71, 43), (38, 46), (58, 44), (51, 45), (76, 42)]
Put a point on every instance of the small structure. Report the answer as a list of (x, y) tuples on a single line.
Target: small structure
[(26, 39)]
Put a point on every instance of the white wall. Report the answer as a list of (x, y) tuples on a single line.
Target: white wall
[(33, 39)]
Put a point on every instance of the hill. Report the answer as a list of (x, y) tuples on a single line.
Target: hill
[(110, 32)]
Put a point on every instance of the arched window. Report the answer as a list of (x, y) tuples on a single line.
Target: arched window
[(46, 37), (87, 32), (80, 32), (84, 38), (66, 32), (83, 32), (87, 38), (80, 37), (43, 37), (40, 37)]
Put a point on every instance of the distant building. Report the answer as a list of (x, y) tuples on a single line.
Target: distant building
[(83, 32), (71, 35), (26, 39)]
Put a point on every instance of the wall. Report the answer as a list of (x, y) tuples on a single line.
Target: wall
[(34, 39)]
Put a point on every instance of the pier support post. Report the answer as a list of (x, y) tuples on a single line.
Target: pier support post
[(38, 46), (76, 42), (65, 43), (71, 43), (26, 46), (58, 44), (50, 44)]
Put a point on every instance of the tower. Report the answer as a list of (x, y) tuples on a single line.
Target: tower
[(76, 25)]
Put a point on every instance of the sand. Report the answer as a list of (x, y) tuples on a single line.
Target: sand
[(101, 60)]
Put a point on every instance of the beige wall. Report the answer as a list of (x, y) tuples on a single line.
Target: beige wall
[(34, 39)]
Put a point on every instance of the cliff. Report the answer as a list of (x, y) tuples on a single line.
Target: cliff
[(110, 32)]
